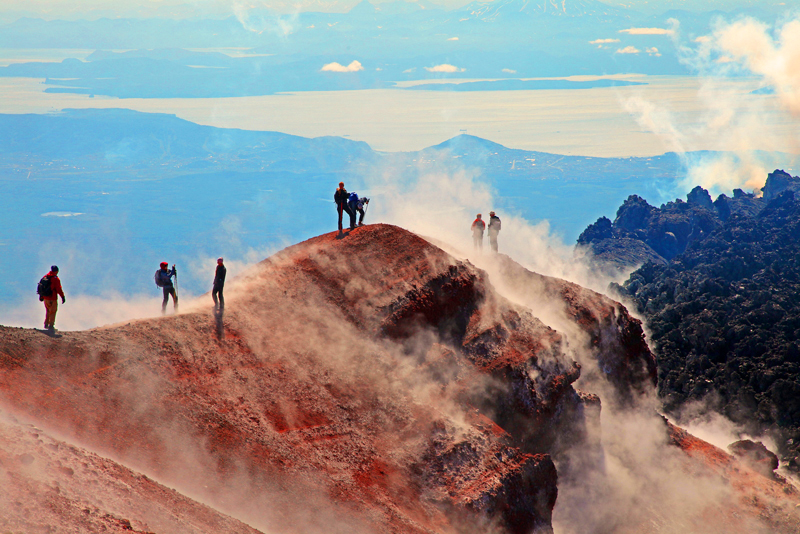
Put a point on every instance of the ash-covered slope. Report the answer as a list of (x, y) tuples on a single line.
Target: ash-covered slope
[(353, 383), (725, 321), (51, 486)]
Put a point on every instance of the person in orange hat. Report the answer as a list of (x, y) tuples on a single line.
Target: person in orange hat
[(163, 279), (478, 226)]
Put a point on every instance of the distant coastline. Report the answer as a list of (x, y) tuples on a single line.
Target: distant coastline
[(523, 85)]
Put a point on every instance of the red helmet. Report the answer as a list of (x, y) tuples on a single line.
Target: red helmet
[(164, 264)]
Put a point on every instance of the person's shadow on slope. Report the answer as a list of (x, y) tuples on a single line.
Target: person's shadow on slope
[(218, 314)]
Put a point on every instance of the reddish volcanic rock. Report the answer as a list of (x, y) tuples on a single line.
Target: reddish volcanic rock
[(613, 339), (338, 390)]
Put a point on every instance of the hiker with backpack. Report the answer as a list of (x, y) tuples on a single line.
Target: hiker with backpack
[(494, 229), (356, 205), (219, 283), (478, 226), (341, 197), (163, 278), (49, 289)]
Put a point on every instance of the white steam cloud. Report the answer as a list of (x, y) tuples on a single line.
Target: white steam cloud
[(734, 117), (776, 61), (604, 41)]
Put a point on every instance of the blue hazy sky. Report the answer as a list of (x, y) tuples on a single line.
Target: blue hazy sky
[(71, 9)]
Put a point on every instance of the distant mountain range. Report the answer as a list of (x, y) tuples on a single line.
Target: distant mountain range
[(124, 179)]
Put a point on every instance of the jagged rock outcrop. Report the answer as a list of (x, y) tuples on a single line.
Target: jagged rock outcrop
[(778, 182), (614, 341), (725, 321), (642, 233)]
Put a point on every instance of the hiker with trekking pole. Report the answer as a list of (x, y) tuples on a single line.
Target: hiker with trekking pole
[(357, 205), (163, 279)]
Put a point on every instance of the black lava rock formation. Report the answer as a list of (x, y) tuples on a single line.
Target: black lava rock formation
[(724, 312)]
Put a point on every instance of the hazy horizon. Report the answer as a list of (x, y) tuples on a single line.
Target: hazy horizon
[(93, 9)]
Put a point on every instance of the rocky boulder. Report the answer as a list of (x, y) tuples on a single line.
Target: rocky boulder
[(755, 455)]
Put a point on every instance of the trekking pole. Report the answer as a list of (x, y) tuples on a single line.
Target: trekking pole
[(176, 280), (365, 210)]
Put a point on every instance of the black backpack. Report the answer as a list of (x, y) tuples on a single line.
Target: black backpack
[(44, 289)]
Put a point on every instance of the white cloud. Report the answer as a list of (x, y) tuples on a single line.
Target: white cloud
[(628, 50), (453, 39), (355, 66), (653, 51), (604, 41), (703, 39), (648, 31), (409, 71), (61, 214), (444, 67), (509, 71)]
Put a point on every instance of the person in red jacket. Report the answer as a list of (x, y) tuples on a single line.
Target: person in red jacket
[(478, 226), (49, 291)]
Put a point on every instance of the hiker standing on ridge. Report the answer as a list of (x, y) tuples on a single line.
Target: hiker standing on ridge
[(478, 226), (494, 229), (163, 279), (340, 197), (356, 205), (49, 290), (219, 283)]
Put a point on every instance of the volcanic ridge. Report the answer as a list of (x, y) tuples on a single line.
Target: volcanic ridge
[(370, 383)]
